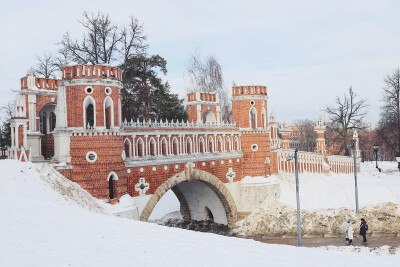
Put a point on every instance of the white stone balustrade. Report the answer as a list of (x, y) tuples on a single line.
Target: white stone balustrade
[(175, 124)]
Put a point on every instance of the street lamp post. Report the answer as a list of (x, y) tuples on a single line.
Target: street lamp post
[(355, 171), (297, 194), (353, 148), (376, 148)]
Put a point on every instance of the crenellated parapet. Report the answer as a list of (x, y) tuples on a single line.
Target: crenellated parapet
[(90, 71), (253, 90)]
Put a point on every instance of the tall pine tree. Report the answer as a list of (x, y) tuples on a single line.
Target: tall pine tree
[(145, 93)]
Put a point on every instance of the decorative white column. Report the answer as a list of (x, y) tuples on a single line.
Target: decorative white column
[(13, 134), (134, 146), (25, 143), (16, 135), (158, 145), (169, 147), (147, 149)]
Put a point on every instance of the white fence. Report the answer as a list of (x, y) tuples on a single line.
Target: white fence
[(314, 162)]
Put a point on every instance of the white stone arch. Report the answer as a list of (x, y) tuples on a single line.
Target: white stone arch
[(127, 143), (264, 118), (140, 141), (210, 193), (114, 175), (164, 145), (190, 142), (108, 103), (153, 142), (86, 102), (209, 117), (211, 148), (252, 118), (202, 146), (175, 141)]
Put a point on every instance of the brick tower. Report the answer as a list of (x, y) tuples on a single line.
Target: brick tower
[(88, 129), (320, 128), (249, 111), (204, 108)]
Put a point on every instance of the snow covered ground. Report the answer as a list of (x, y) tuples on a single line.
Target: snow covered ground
[(41, 227), (337, 190)]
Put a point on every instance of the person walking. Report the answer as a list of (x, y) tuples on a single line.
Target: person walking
[(346, 226), (363, 230), (351, 234)]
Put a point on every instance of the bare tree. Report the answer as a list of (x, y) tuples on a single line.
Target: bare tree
[(388, 132), (46, 66), (206, 76), (306, 138), (104, 42), (132, 40), (347, 115)]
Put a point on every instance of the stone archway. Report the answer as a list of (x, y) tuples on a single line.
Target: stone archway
[(192, 179)]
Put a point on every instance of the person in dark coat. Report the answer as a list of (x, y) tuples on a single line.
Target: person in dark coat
[(363, 230)]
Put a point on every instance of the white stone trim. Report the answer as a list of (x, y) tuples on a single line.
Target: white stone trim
[(115, 176)]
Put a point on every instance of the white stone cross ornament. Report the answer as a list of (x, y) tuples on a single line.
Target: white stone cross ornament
[(230, 175), (142, 186)]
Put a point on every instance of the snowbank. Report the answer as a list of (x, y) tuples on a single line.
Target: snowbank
[(275, 218), (327, 199), (40, 227)]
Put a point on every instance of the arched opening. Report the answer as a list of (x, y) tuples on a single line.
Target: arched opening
[(127, 146), (253, 118), (204, 197), (210, 145), (47, 123), (219, 144), (108, 113), (263, 118), (201, 144), (209, 117), (140, 147), (53, 121), (164, 147), (175, 146), (236, 143), (112, 178), (89, 113), (228, 144), (189, 145), (152, 147), (43, 122)]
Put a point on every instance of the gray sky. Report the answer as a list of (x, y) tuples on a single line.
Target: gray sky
[(305, 52)]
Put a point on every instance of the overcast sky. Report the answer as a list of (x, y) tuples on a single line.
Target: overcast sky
[(305, 52)]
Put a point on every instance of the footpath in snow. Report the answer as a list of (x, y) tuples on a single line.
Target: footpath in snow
[(41, 227)]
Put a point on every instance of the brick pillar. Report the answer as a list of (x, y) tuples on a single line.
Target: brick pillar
[(284, 130)]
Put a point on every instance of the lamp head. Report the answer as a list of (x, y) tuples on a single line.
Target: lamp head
[(376, 148)]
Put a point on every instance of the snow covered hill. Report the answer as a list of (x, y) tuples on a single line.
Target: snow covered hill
[(41, 227)]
